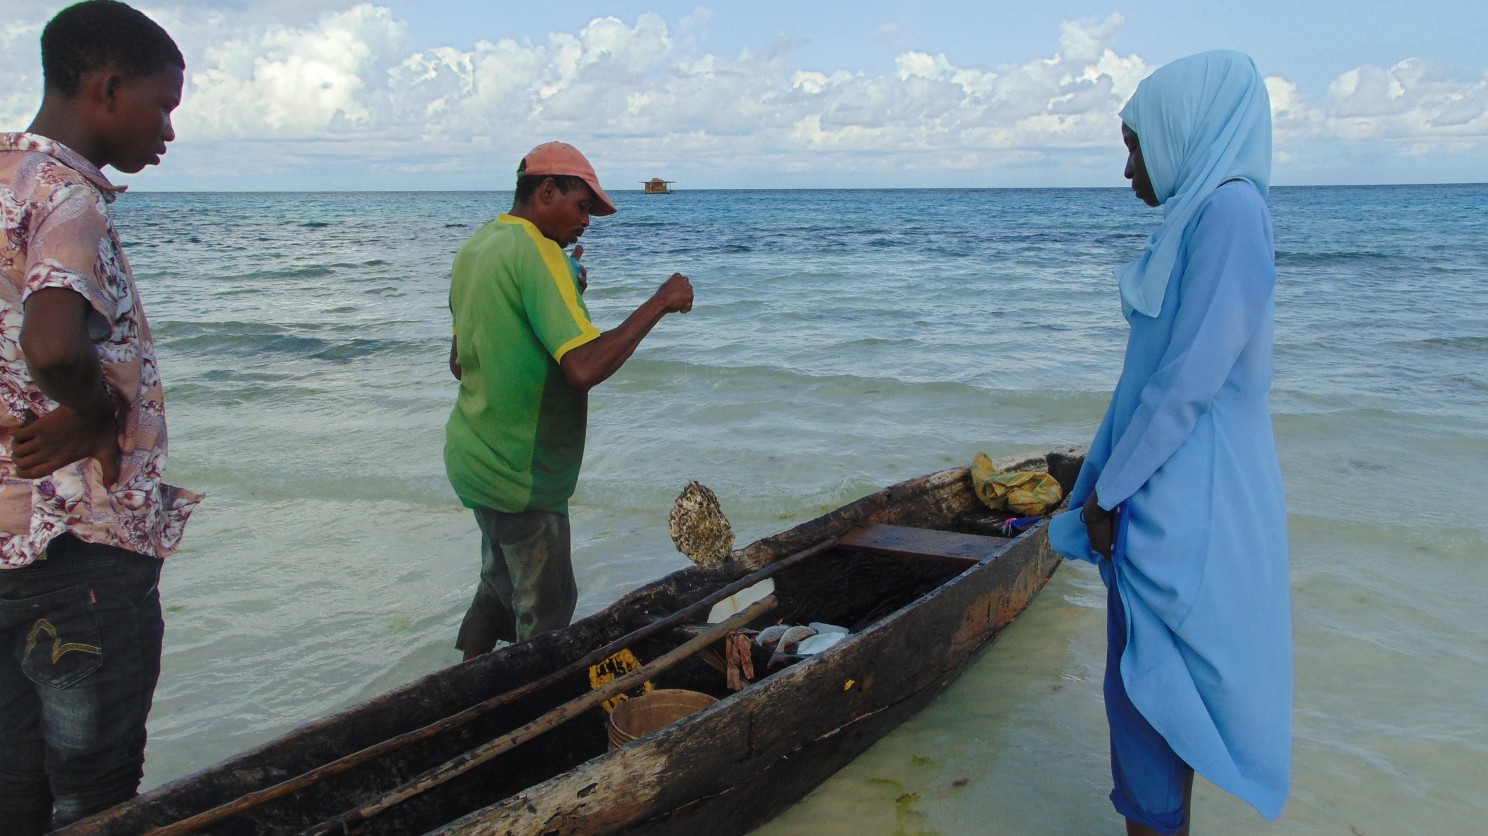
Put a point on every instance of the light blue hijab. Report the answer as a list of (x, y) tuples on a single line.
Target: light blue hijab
[(1201, 120)]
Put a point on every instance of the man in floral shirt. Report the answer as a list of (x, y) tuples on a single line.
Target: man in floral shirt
[(84, 516)]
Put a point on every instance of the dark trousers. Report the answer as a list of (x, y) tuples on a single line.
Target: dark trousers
[(526, 583), (80, 636)]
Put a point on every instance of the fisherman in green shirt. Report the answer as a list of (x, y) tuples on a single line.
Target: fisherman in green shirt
[(526, 356)]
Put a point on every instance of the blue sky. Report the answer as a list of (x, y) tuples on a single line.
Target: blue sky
[(334, 94)]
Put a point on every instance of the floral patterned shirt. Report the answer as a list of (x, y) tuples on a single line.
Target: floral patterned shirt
[(57, 232)]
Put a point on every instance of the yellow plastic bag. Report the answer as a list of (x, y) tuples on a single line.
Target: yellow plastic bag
[(1027, 493)]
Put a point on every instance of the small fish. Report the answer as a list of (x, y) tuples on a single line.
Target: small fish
[(792, 638), (770, 636)]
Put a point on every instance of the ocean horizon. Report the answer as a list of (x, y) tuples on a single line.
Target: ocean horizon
[(842, 340), (677, 189)]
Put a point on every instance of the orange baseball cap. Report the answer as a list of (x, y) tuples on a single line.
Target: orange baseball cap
[(562, 158)]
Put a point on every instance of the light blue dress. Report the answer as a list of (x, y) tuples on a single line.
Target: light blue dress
[(1187, 444)]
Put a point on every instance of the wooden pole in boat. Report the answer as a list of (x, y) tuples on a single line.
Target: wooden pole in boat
[(454, 721), (455, 767)]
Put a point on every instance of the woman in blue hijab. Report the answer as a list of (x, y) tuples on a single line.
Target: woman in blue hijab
[(1181, 501)]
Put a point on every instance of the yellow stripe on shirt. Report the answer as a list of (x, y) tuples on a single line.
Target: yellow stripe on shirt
[(562, 275)]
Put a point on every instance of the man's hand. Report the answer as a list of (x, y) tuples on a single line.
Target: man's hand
[(593, 362), (63, 362), (1100, 525), (454, 360), (675, 294), (63, 436)]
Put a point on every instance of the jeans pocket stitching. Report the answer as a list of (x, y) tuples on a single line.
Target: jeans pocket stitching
[(40, 656)]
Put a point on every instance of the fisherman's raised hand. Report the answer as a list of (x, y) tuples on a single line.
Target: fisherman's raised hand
[(675, 294)]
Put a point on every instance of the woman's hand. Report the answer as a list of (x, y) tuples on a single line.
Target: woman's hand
[(1100, 525)]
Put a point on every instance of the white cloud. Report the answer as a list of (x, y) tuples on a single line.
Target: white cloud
[(20, 66), (1427, 108), (342, 76), (1284, 96), (293, 83)]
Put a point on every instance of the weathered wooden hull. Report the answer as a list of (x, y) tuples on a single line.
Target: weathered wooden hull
[(723, 770)]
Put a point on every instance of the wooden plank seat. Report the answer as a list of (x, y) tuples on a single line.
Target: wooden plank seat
[(950, 547)]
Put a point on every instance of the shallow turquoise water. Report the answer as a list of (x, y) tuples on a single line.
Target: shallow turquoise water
[(841, 341)]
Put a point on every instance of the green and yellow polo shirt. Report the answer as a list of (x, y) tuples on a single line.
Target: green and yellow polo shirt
[(516, 437)]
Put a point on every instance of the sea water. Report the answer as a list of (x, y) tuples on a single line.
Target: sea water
[(841, 341)]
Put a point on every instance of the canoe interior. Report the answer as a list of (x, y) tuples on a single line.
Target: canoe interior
[(848, 586)]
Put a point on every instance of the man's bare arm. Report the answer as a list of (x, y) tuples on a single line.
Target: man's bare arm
[(593, 362), (64, 363)]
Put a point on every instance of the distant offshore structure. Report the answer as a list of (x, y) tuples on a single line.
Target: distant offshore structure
[(656, 185)]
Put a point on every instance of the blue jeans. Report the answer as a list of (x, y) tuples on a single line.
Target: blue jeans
[(80, 633), (526, 583)]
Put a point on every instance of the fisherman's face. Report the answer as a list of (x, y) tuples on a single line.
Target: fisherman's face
[(139, 117), (1136, 168), (565, 215)]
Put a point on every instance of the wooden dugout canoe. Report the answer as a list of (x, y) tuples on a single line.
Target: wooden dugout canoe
[(916, 572)]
